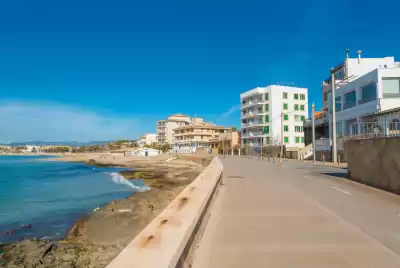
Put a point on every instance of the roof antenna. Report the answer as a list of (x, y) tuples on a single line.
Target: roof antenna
[(347, 53), (359, 55)]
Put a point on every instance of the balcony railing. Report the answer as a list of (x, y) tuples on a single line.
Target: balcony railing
[(359, 102), (247, 104)]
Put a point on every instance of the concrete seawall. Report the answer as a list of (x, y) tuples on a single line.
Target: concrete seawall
[(167, 240), (375, 162)]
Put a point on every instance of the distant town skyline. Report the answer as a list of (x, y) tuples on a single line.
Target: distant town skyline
[(101, 70)]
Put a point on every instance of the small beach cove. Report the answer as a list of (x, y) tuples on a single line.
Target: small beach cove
[(97, 236)]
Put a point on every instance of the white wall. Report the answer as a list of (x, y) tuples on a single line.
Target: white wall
[(368, 64)]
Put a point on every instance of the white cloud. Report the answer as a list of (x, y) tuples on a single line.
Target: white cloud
[(231, 111), (27, 121)]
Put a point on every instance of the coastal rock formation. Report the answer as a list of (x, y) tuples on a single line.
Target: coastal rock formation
[(97, 238)]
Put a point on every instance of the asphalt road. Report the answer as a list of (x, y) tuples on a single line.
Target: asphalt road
[(298, 215)]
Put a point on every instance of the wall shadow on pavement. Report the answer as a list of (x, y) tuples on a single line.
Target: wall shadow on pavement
[(344, 175)]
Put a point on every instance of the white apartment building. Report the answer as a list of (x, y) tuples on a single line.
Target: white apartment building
[(261, 116), (165, 128), (147, 139), (361, 95), (351, 69)]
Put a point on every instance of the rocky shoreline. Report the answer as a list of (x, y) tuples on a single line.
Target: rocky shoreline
[(97, 238)]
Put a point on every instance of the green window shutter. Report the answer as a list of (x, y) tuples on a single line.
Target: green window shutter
[(285, 106), (266, 96), (266, 130), (297, 139), (302, 139), (302, 97), (266, 140), (285, 128), (266, 118), (266, 108), (296, 96), (303, 118), (296, 107), (285, 117), (286, 139), (302, 107)]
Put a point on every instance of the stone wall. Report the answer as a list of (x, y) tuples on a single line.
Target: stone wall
[(375, 162)]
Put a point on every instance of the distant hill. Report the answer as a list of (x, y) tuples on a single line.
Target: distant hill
[(66, 143)]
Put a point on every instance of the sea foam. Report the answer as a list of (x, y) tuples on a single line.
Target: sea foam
[(118, 178)]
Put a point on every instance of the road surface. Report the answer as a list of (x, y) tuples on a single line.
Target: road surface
[(298, 215)]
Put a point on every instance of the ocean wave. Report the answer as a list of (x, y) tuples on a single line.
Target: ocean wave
[(118, 178)]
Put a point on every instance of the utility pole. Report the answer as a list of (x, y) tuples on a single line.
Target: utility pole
[(334, 151), (281, 137), (262, 142), (313, 131)]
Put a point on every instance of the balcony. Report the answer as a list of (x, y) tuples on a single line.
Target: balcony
[(251, 103)]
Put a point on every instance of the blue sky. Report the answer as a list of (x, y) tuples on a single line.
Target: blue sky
[(99, 70)]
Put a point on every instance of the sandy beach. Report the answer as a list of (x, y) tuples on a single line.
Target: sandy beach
[(97, 238)]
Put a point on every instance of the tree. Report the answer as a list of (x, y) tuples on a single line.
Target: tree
[(234, 129)]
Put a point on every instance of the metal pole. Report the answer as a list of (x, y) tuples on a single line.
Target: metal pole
[(282, 139), (313, 130), (334, 151)]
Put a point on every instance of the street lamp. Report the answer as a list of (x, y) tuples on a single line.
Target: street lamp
[(333, 103)]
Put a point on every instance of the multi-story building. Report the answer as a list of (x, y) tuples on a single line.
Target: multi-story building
[(364, 86), (267, 111), (196, 134), (164, 128), (147, 139)]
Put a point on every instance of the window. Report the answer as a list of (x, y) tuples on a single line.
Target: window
[(368, 93), (296, 96), (391, 87), (284, 95), (297, 129), (395, 124), (338, 103), (266, 130), (302, 107), (297, 139), (286, 128), (302, 96), (266, 108), (349, 100), (260, 121), (259, 110), (266, 96), (286, 139), (285, 117), (296, 118), (303, 118), (296, 107), (302, 140), (266, 118), (285, 106)]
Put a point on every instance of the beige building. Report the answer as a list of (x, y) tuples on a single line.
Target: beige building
[(165, 128), (197, 134), (147, 139)]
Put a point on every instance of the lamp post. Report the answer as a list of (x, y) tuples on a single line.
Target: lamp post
[(313, 130), (334, 150)]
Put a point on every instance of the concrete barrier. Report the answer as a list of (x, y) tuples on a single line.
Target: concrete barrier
[(167, 240)]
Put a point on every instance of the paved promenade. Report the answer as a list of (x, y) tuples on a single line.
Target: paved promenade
[(299, 215)]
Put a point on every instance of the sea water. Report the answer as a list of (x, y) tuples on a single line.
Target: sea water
[(43, 199)]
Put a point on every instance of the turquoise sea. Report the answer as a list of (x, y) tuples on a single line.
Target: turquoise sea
[(43, 199)]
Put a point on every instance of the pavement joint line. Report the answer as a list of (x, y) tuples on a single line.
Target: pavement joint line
[(341, 190)]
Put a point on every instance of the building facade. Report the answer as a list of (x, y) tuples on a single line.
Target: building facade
[(147, 139), (164, 128), (374, 91), (270, 113), (196, 134)]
